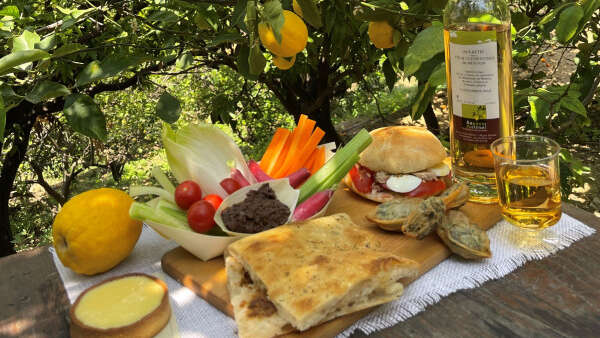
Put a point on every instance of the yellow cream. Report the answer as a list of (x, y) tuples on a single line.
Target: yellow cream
[(120, 302)]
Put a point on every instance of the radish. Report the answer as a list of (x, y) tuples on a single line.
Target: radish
[(258, 173), (239, 177), (312, 205), (298, 177)]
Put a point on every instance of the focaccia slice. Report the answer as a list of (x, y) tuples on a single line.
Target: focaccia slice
[(320, 269), (255, 315)]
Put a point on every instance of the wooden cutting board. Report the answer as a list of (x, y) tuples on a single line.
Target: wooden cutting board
[(208, 279)]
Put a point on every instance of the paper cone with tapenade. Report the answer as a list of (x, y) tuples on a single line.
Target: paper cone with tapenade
[(299, 275), (278, 193)]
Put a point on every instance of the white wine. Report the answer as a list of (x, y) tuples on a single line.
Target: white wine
[(477, 43), (529, 195)]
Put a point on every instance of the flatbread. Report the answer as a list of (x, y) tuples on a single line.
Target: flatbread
[(255, 318), (318, 270)]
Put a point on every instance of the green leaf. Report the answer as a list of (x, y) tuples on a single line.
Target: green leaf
[(573, 104), (239, 12), (46, 90), (256, 61), (568, 23), (168, 108), (21, 57), (389, 73), (427, 44), (422, 101), (224, 37), (438, 76), (201, 22), (163, 16), (12, 11), (310, 13), (85, 117), (47, 43), (242, 63), (109, 67), (589, 7), (185, 61), (273, 16), (25, 41), (68, 49), (540, 110), (552, 14)]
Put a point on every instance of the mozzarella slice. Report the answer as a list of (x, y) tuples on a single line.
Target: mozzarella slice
[(404, 183), (441, 169)]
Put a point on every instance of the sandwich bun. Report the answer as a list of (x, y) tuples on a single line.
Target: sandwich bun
[(402, 150)]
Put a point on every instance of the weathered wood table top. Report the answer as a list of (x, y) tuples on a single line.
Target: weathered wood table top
[(557, 296)]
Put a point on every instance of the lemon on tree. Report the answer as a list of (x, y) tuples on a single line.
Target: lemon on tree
[(381, 34), (297, 8), (93, 232), (294, 35), (283, 63)]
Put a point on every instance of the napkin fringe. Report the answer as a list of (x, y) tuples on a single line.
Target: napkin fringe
[(391, 314)]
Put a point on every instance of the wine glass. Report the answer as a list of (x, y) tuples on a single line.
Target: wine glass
[(528, 182)]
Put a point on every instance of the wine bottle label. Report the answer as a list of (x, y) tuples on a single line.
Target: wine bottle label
[(474, 76)]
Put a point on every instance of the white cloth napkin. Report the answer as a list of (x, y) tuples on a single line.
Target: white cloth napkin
[(197, 318)]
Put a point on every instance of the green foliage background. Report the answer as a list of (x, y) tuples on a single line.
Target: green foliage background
[(85, 85)]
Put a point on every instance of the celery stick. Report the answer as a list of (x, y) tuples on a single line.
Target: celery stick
[(339, 173), (137, 191), (163, 180), (162, 203), (315, 183), (143, 212), (177, 219)]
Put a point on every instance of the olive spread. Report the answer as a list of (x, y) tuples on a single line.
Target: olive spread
[(260, 211)]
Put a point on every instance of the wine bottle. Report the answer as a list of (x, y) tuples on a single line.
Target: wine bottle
[(477, 41)]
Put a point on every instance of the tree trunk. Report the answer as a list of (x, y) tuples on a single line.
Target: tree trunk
[(431, 120), (323, 118), (10, 167)]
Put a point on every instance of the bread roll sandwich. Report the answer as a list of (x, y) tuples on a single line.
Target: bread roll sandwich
[(296, 276), (401, 161)]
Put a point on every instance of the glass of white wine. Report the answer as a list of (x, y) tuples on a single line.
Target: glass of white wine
[(528, 182)]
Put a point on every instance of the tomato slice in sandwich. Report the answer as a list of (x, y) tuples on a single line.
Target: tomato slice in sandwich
[(362, 179), (427, 188)]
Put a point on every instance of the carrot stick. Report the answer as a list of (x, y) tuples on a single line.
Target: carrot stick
[(299, 137), (274, 149), (276, 165), (319, 160), (307, 150)]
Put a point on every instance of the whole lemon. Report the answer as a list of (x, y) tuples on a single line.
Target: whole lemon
[(93, 232), (381, 34), (283, 63), (294, 36)]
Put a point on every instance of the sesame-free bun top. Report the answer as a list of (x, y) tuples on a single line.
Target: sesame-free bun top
[(402, 150)]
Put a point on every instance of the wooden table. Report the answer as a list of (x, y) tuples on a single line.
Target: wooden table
[(557, 296)]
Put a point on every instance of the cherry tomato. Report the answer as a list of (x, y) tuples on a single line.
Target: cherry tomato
[(230, 185), (427, 188), (362, 179), (200, 216), (186, 193), (213, 199)]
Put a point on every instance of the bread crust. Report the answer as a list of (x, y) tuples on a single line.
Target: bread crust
[(402, 150), (148, 326)]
